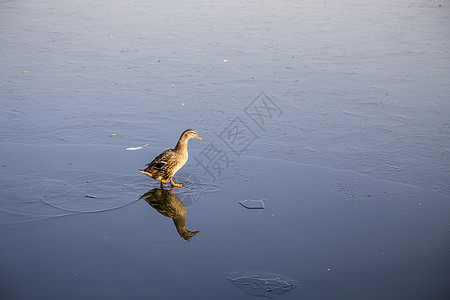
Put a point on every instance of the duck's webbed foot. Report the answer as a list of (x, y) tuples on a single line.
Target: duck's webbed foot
[(175, 184)]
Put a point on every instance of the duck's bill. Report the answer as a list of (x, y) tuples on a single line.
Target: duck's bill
[(197, 137)]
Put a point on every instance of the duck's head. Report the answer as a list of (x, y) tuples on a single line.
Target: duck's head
[(187, 235), (188, 134)]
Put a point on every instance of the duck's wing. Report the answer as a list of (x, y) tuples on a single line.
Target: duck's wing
[(161, 160)]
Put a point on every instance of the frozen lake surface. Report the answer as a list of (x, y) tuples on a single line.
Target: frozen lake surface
[(333, 116)]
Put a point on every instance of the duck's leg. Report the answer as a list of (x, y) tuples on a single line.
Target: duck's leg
[(163, 181), (175, 184)]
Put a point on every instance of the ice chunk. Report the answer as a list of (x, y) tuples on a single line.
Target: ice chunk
[(252, 204)]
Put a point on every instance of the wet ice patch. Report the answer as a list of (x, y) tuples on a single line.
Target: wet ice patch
[(27, 198), (91, 192), (260, 283), (21, 199)]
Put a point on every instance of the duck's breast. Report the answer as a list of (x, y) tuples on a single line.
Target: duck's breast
[(181, 162)]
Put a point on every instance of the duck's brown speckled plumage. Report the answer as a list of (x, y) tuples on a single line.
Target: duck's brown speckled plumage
[(165, 165)]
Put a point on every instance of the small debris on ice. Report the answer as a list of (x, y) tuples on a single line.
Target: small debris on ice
[(252, 204), (113, 134), (225, 60), (136, 148), (89, 196)]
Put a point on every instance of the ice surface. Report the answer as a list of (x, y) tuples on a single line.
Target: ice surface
[(355, 162), (370, 79)]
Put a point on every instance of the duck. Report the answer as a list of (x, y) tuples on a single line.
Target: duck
[(166, 164)]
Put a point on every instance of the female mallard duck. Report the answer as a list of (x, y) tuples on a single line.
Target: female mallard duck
[(165, 165)]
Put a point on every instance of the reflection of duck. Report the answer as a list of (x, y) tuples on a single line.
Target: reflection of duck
[(165, 165), (170, 206)]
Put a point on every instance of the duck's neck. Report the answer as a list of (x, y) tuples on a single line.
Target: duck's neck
[(180, 223), (181, 146)]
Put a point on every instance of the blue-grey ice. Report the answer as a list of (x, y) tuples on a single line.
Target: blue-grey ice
[(335, 111)]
